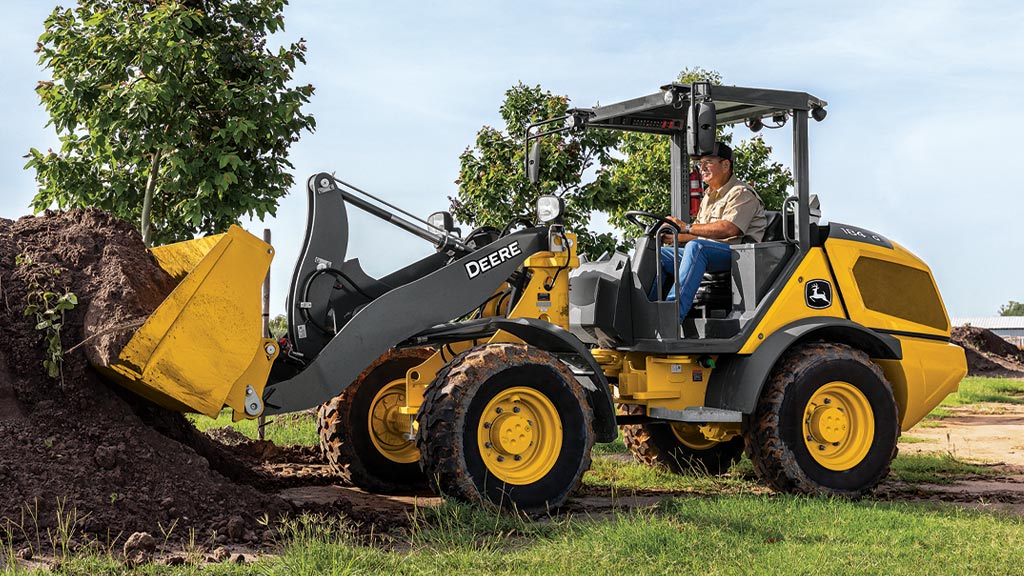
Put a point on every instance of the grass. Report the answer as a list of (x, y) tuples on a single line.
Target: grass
[(284, 430), (711, 525), (976, 389), (735, 534), (934, 469)]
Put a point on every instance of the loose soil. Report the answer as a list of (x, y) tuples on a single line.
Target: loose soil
[(988, 354), (75, 447)]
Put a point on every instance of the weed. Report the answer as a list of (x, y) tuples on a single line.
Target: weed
[(63, 534), (48, 307)]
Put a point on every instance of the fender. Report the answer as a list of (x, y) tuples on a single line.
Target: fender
[(551, 338), (737, 381)]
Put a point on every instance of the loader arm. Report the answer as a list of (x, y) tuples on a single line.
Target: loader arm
[(396, 316)]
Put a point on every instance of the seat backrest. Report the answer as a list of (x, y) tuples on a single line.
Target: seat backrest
[(773, 229), (645, 262)]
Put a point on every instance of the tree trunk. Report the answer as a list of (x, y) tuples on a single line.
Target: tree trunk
[(147, 200)]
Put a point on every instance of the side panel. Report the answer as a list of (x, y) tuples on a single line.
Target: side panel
[(928, 372), (792, 303), (887, 288)]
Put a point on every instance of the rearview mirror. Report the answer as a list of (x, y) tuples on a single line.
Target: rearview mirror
[(441, 222), (700, 129), (533, 163)]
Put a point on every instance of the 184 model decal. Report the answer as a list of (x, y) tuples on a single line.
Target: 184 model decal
[(477, 267)]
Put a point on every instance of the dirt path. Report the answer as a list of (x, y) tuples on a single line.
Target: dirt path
[(988, 434)]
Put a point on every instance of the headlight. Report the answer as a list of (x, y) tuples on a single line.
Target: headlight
[(549, 208)]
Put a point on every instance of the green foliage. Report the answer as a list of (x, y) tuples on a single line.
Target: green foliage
[(642, 180), (1013, 308), (278, 326), (48, 308), (631, 171), (178, 99), (493, 187)]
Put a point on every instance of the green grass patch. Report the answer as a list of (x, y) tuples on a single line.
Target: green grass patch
[(283, 430), (976, 389), (626, 475), (616, 446), (934, 469), (738, 534), (914, 440)]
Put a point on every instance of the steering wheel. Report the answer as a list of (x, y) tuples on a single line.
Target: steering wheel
[(650, 222)]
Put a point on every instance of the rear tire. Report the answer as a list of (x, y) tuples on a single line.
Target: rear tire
[(361, 431), (508, 425), (678, 447), (826, 423)]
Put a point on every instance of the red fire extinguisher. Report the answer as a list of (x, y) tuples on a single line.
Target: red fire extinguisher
[(696, 193)]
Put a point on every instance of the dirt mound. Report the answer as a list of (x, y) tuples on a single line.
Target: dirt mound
[(77, 449), (988, 354)]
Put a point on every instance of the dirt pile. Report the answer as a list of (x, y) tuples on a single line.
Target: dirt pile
[(988, 354), (75, 449)]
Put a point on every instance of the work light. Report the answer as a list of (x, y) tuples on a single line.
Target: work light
[(549, 208)]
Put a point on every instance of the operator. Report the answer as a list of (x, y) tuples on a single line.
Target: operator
[(730, 213)]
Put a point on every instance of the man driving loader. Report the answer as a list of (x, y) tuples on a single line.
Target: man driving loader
[(730, 213)]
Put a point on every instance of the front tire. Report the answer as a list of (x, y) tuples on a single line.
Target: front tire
[(826, 423), (362, 432), (508, 425)]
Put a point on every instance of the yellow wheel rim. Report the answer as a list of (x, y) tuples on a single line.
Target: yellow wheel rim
[(838, 426), (388, 426), (689, 436), (519, 435)]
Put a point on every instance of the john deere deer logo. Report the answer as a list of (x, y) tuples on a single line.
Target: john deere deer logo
[(818, 294)]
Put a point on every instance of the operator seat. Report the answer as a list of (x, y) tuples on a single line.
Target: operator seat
[(714, 295)]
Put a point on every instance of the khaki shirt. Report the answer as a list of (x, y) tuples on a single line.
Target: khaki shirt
[(736, 202)]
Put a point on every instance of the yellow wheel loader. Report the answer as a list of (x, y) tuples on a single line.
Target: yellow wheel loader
[(488, 369)]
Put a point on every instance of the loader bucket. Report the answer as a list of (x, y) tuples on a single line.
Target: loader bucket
[(202, 348)]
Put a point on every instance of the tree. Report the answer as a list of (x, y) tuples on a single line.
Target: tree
[(642, 180), (1013, 308), (171, 113), (278, 326), (631, 170), (493, 187)]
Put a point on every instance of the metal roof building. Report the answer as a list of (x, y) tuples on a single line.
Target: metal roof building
[(1010, 328)]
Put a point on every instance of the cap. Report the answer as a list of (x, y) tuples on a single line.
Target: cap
[(720, 150)]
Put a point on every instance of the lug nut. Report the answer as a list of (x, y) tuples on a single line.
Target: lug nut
[(487, 424), (810, 438), (828, 400), (487, 444), (501, 458), (498, 410), (518, 457), (516, 409)]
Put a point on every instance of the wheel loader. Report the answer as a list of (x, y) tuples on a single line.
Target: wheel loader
[(488, 369)]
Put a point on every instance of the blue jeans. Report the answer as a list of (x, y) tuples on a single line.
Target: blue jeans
[(695, 258)]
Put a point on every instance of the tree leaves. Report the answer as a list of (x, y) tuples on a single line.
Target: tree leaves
[(624, 171), (192, 82)]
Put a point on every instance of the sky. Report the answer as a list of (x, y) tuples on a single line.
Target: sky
[(924, 114)]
